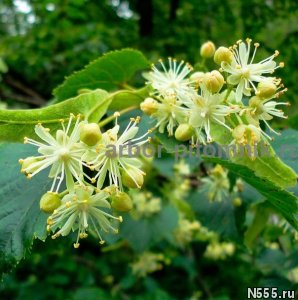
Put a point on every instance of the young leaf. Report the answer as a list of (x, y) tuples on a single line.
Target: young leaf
[(15, 124), (108, 72), (20, 217), (283, 201)]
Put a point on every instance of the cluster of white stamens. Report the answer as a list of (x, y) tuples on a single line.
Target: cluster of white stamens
[(62, 153), (172, 81), (83, 211), (244, 72), (75, 148), (116, 154)]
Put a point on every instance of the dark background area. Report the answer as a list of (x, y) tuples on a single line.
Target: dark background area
[(43, 41)]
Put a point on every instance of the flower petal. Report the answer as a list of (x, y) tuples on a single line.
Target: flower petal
[(234, 79), (239, 90)]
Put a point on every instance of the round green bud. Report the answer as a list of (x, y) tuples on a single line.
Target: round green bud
[(213, 81), (237, 202), (121, 202), (149, 106), (133, 178), (223, 54), (207, 49), (266, 89), (90, 134), (49, 202), (183, 132)]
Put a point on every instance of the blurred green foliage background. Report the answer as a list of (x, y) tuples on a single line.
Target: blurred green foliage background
[(41, 42), (50, 39)]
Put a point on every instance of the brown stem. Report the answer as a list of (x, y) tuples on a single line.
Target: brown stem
[(21, 98)]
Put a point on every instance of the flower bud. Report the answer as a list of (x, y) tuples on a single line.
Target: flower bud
[(237, 202), (228, 248), (133, 178), (49, 202), (90, 134), (149, 106), (183, 132), (213, 81), (223, 54), (246, 134), (254, 102), (197, 77), (239, 131), (207, 49), (121, 202), (218, 171), (266, 89)]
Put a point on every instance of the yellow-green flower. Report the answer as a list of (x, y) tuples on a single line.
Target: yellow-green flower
[(61, 152), (83, 210)]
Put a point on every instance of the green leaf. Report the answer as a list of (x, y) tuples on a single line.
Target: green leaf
[(109, 72), (217, 216), (283, 201), (16, 124), (259, 222), (142, 233), (220, 134), (286, 146), (20, 217), (265, 165), (90, 293), (270, 167), (171, 145), (126, 98)]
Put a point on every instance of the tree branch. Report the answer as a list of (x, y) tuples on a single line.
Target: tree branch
[(34, 97)]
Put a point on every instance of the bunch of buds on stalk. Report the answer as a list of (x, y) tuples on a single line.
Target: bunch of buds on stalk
[(195, 106)]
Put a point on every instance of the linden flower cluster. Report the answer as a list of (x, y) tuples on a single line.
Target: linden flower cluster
[(185, 231), (217, 186), (219, 251), (145, 204), (148, 262), (236, 97), (71, 154)]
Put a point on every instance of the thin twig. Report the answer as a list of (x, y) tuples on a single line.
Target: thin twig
[(38, 99)]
